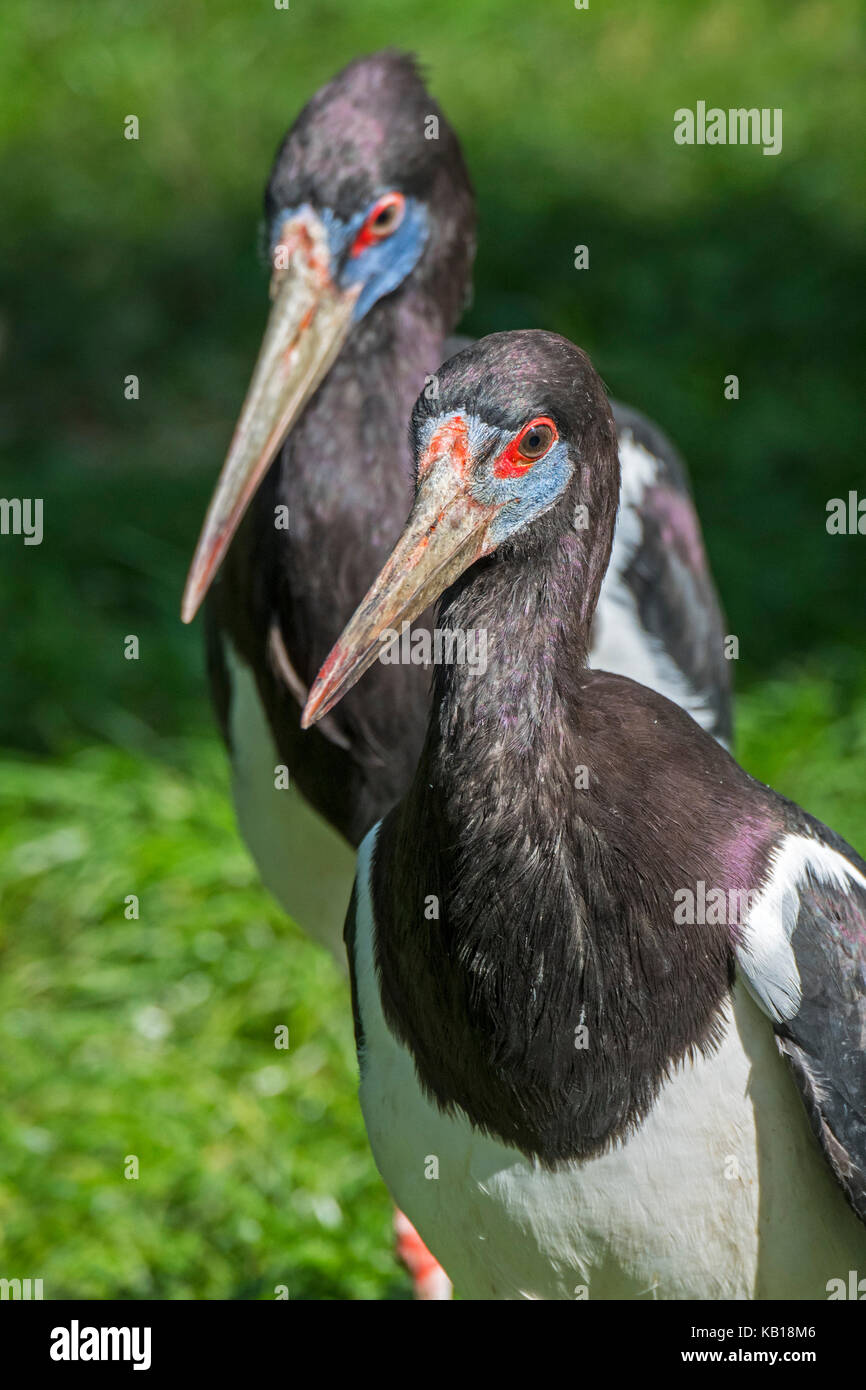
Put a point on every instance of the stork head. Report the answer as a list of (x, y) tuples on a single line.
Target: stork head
[(514, 451), (367, 192)]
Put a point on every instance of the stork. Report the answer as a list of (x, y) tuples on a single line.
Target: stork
[(606, 1077)]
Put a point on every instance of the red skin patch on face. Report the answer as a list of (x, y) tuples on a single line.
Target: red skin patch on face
[(299, 245), (510, 464), (364, 239), (452, 437), (296, 241)]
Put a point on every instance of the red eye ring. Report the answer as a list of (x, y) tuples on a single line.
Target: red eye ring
[(520, 455), (383, 219)]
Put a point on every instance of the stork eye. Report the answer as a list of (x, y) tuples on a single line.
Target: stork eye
[(384, 218), (387, 215), (535, 440)]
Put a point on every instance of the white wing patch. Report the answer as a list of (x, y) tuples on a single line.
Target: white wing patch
[(766, 956), (639, 470), (620, 642)]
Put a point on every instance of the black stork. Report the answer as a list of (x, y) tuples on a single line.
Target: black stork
[(371, 225), (576, 995)]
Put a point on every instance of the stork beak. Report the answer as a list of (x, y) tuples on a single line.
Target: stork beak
[(446, 532), (308, 324)]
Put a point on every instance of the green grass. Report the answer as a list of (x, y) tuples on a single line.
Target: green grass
[(154, 1037)]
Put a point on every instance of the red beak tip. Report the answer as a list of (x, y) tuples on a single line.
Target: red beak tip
[(316, 706), (308, 713)]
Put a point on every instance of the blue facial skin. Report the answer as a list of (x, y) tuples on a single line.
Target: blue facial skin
[(381, 266), (524, 497), (539, 489)]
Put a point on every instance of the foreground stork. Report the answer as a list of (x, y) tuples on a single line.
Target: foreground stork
[(371, 224), (585, 944)]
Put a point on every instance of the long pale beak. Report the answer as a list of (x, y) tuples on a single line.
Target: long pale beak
[(446, 532), (308, 324)]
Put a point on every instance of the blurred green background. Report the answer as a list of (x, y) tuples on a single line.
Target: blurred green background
[(155, 1037)]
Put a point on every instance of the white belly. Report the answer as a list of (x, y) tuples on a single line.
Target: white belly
[(305, 864), (722, 1193)]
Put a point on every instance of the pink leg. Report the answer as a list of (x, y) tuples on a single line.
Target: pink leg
[(429, 1279)]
